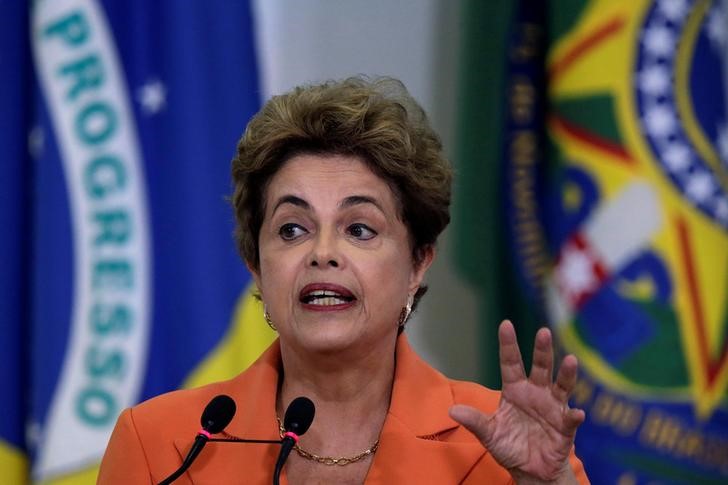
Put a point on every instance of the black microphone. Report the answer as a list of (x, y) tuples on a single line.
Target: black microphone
[(217, 414), (297, 420)]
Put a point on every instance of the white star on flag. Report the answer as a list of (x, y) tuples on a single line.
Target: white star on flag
[(721, 210), (716, 29), (673, 9), (36, 141), (659, 41), (699, 187), (677, 157), (660, 121), (655, 80), (152, 96)]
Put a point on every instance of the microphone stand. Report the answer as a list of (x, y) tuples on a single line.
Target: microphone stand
[(241, 440), (190, 458), (218, 414)]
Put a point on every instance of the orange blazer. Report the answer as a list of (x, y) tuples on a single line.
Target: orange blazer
[(419, 443)]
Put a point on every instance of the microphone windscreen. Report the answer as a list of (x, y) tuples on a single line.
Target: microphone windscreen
[(299, 415), (218, 414)]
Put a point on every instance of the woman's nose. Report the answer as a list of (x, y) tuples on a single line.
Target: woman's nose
[(324, 252)]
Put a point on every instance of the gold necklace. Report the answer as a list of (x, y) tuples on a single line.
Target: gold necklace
[(329, 460)]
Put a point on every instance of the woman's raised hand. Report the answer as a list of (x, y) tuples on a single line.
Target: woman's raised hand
[(532, 432)]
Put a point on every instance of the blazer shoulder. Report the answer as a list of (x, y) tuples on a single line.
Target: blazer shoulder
[(177, 411), (141, 448)]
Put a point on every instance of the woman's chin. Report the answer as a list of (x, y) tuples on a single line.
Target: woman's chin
[(332, 337), (329, 337)]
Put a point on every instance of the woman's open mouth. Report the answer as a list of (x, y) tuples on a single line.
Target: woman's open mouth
[(323, 296)]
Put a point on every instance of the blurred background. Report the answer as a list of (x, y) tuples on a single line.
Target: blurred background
[(590, 144)]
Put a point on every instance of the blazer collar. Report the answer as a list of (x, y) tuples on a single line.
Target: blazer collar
[(410, 450)]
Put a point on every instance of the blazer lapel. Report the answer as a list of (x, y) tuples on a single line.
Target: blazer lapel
[(414, 448), (405, 458)]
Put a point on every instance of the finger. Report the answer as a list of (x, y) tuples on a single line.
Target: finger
[(543, 359), (572, 420), (511, 363), (474, 421), (565, 379)]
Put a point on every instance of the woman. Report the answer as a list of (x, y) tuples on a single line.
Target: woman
[(341, 190)]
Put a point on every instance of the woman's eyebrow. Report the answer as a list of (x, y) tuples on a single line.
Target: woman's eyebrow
[(353, 200), (291, 199), (348, 202)]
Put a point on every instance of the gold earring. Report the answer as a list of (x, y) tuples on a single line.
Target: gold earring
[(266, 317), (406, 312)]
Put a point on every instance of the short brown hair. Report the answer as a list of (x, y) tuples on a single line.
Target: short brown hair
[(376, 120)]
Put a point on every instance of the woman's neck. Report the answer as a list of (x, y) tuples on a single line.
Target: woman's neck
[(351, 394)]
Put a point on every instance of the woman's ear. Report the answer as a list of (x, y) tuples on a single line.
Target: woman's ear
[(255, 273), (422, 263)]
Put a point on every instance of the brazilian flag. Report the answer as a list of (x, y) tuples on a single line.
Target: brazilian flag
[(120, 279), (595, 144)]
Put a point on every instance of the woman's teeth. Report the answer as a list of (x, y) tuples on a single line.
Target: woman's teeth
[(325, 298), (328, 301)]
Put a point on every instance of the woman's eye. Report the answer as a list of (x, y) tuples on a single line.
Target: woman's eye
[(361, 231), (290, 231)]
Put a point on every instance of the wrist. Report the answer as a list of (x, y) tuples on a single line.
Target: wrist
[(565, 477)]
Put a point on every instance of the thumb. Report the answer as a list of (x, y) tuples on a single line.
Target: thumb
[(476, 422)]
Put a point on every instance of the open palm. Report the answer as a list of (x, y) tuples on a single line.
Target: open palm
[(532, 432)]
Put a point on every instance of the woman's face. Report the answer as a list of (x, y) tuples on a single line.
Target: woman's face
[(336, 262)]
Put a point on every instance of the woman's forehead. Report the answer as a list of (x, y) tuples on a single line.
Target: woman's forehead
[(340, 180)]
